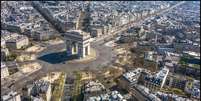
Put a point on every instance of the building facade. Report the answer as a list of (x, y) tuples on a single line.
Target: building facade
[(92, 88), (4, 70), (17, 42), (4, 53), (42, 89), (11, 96), (77, 43)]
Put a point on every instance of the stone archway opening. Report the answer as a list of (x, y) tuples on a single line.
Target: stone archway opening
[(77, 43)]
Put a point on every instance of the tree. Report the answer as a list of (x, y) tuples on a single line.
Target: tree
[(11, 57)]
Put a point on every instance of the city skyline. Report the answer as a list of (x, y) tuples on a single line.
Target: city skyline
[(100, 50)]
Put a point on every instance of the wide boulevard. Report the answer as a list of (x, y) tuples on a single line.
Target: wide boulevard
[(105, 56)]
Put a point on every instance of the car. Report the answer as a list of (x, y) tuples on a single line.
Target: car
[(43, 45), (11, 85)]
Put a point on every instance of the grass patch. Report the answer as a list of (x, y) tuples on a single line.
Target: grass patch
[(178, 91), (77, 89), (190, 84), (196, 66), (58, 88), (184, 61), (173, 90)]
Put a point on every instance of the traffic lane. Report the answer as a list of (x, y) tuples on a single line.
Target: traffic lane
[(104, 56)]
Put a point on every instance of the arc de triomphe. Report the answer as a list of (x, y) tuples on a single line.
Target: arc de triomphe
[(77, 43)]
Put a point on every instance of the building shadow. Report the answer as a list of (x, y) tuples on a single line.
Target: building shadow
[(58, 57)]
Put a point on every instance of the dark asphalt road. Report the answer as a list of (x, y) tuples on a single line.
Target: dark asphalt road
[(104, 56)]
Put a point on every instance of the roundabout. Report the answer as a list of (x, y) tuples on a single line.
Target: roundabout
[(54, 58), (62, 57), (103, 57)]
